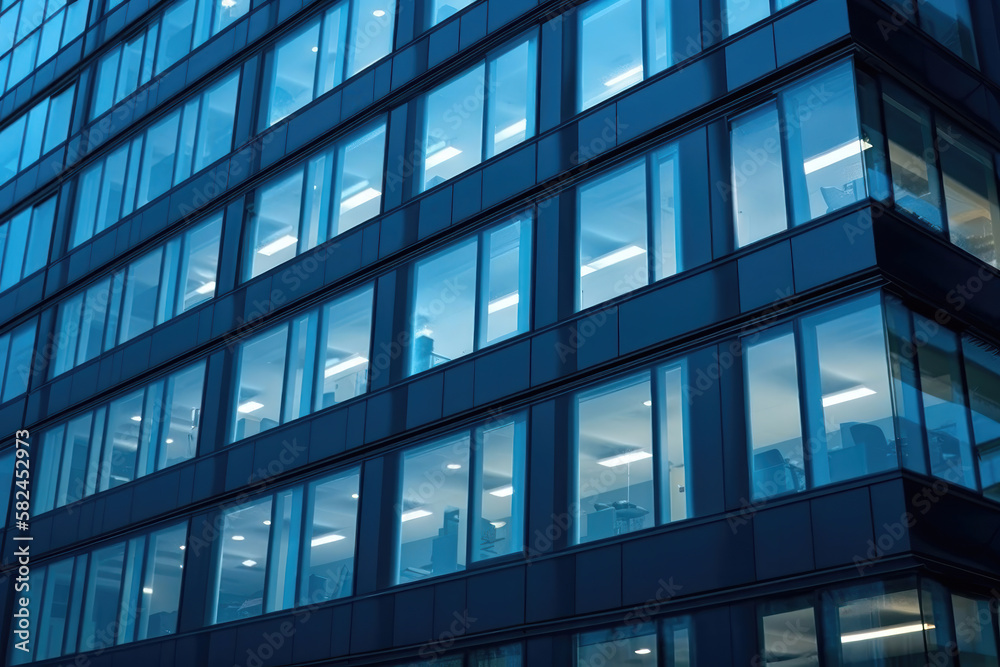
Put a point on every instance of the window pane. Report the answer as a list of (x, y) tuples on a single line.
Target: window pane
[(20, 360), (789, 637), (505, 302), (660, 35), (612, 214), (511, 113), (57, 128), (100, 615), (262, 372), (347, 327), (741, 14), (227, 12), (853, 381), (67, 336), (11, 139), (92, 330), (328, 563), (362, 165), (432, 510), (674, 443), (112, 189), (52, 621), (982, 373), (175, 38), (444, 307), (299, 382), (883, 629), (242, 561), (158, 159), (41, 236), (774, 426), (453, 128), (629, 646), (824, 146), (946, 417), (615, 459), (200, 264), (79, 469), (122, 441), (6, 479), (915, 183), (950, 23), (31, 142), (497, 656), (666, 182), (970, 195), (215, 131), (294, 73), (758, 183), (443, 9), (14, 235), (372, 30), (500, 492), (276, 223), (161, 587), (974, 631), (139, 306), (181, 416), (284, 554), (610, 50)]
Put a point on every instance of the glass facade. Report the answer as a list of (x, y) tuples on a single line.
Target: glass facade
[(32, 31), (151, 290), (170, 150), (24, 242), (35, 133), (17, 351)]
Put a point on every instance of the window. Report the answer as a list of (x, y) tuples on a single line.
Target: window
[(278, 379), (134, 435), (6, 481), (635, 644), (982, 373), (629, 227), (941, 175), (327, 195), (947, 21), (825, 160), (35, 133), (788, 633), (471, 295), (151, 290), (171, 150), (117, 594), (42, 28), (326, 51), (436, 535), (441, 10), (741, 14), (24, 242), (257, 569), (622, 42), (884, 627), (630, 475), (480, 113), (17, 351), (839, 359), (974, 632)]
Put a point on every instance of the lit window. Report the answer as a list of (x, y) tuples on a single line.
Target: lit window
[(741, 14)]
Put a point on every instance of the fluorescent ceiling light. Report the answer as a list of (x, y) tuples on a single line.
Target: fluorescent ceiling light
[(648, 404), (622, 459), (275, 246), (453, 466), (503, 491), (355, 496), (249, 406), (846, 395), (147, 591), (183, 547), (498, 524), (137, 418), (228, 3), (357, 200), (315, 49), (249, 563), (891, 631), (238, 538), (267, 522), (624, 76), (336, 369), (848, 150), (414, 514), (378, 13), (511, 131), (207, 288), (620, 255), (642, 651), (503, 302), (326, 539), (170, 441), (446, 153)]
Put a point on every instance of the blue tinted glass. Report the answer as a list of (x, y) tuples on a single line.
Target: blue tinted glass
[(57, 128), (22, 343), (175, 35), (610, 52), (13, 257), (41, 236), (158, 159)]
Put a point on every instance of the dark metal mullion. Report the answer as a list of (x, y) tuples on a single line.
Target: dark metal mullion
[(182, 112), (487, 98), (805, 411), (300, 241), (146, 541), (289, 342), (786, 166), (967, 404), (474, 435), (271, 530), (651, 236), (121, 586), (661, 486), (939, 167), (481, 301)]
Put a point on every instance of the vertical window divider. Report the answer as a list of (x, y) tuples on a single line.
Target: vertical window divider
[(806, 409), (484, 151), (474, 505), (202, 101), (657, 397), (967, 405), (481, 300), (289, 349), (650, 176), (265, 599)]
